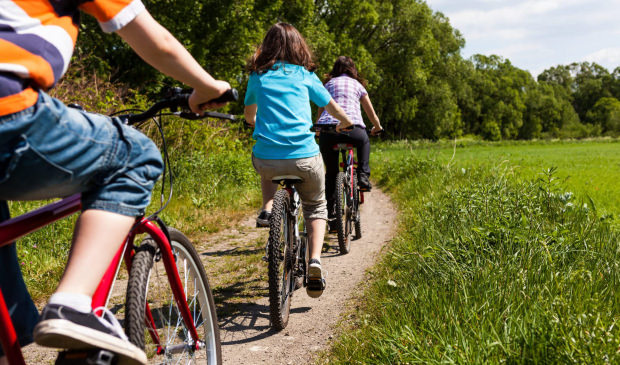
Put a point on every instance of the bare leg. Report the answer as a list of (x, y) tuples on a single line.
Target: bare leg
[(97, 238), (269, 190), (316, 236)]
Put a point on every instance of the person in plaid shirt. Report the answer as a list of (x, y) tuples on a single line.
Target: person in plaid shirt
[(347, 89)]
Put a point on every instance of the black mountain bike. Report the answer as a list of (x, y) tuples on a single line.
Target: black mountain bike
[(287, 251)]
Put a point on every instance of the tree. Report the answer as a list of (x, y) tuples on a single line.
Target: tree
[(501, 90), (606, 114)]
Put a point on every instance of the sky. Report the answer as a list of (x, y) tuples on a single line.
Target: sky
[(538, 34)]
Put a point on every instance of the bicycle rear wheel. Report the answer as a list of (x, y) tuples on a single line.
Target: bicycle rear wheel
[(280, 260), (343, 213), (148, 285), (357, 216)]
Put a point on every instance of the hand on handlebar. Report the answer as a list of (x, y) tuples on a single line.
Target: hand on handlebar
[(341, 126), (376, 131), (200, 101)]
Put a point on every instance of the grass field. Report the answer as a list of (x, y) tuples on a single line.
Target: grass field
[(590, 168), (494, 263)]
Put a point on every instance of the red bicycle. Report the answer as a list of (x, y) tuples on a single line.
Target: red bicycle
[(348, 195), (169, 308)]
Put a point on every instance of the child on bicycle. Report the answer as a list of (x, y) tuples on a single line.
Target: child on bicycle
[(348, 89), (281, 85), (48, 150)]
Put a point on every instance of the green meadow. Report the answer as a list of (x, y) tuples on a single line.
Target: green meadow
[(586, 168), (501, 257)]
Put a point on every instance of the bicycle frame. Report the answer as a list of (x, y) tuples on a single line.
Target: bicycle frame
[(13, 229), (296, 204), (300, 252), (348, 164)]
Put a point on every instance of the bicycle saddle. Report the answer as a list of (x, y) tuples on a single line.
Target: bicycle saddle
[(287, 178), (342, 146)]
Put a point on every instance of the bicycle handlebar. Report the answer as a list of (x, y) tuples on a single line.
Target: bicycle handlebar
[(331, 128), (180, 100), (328, 128)]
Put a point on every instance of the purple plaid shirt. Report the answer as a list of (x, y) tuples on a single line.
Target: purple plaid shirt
[(347, 92)]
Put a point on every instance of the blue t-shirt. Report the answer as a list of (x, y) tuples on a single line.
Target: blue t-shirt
[(283, 117)]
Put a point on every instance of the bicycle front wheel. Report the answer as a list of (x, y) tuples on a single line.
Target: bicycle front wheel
[(167, 338), (281, 257), (343, 213)]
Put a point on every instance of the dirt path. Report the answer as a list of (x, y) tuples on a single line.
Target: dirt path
[(247, 337), (239, 280)]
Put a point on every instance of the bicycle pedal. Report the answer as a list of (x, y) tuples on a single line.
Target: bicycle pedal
[(316, 284), (86, 357)]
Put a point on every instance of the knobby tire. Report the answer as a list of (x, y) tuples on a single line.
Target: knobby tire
[(280, 268), (148, 283)]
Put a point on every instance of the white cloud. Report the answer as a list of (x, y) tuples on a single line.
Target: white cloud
[(607, 56), (516, 14), (538, 34)]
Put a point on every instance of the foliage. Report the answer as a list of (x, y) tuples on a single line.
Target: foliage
[(606, 114), (420, 85)]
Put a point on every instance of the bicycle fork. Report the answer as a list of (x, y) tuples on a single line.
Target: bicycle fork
[(102, 293)]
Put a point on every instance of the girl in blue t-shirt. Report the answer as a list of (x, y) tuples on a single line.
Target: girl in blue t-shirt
[(281, 84)]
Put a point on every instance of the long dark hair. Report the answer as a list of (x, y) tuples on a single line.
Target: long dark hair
[(345, 65), (283, 42)]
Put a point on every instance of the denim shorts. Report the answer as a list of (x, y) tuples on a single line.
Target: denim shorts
[(52, 151), (311, 190)]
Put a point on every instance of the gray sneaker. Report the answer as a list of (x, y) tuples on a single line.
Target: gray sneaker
[(316, 279)]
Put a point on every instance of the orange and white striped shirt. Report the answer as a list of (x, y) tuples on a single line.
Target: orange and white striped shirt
[(37, 38)]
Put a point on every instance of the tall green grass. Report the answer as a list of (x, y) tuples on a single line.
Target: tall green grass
[(488, 268)]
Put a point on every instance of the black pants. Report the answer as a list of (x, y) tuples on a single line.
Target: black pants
[(358, 138)]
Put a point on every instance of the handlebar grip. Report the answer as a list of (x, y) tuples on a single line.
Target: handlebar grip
[(228, 96)]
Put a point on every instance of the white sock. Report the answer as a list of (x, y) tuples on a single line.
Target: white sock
[(79, 302)]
